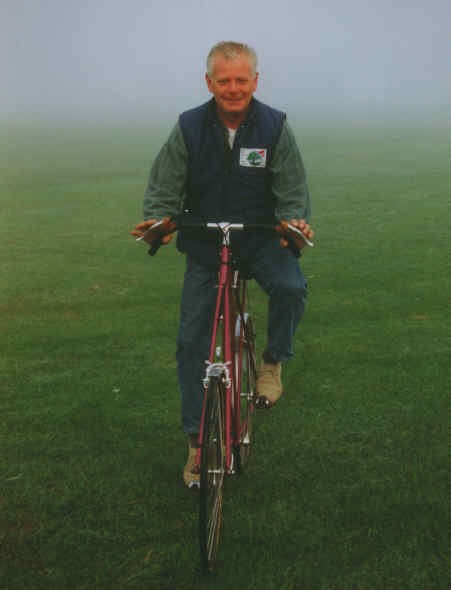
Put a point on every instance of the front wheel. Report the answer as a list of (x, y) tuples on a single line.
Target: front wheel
[(212, 469)]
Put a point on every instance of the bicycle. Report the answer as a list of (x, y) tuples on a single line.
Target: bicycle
[(226, 425), (225, 436)]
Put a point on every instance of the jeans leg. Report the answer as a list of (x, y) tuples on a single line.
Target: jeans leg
[(279, 274), (196, 314)]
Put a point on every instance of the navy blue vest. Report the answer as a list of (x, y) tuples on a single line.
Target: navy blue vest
[(225, 184)]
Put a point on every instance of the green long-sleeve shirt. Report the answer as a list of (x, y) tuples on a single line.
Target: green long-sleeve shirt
[(165, 191)]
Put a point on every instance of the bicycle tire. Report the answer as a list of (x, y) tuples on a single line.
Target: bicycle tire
[(212, 470), (246, 365)]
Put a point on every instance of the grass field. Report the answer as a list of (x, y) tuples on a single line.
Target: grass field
[(349, 485)]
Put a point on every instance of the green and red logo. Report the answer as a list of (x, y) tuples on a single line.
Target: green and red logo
[(253, 157)]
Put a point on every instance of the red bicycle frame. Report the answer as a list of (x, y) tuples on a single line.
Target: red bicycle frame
[(230, 301)]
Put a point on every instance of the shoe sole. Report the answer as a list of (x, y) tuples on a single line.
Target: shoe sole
[(263, 403)]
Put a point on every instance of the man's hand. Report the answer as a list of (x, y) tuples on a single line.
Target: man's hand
[(301, 225), (163, 232)]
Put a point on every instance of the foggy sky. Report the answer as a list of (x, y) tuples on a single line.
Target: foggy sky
[(148, 56)]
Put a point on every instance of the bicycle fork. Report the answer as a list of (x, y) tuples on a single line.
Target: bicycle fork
[(221, 368)]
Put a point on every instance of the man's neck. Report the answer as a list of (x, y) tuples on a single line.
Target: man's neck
[(232, 120)]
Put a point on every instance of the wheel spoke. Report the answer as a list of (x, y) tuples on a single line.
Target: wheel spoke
[(213, 525), (211, 477)]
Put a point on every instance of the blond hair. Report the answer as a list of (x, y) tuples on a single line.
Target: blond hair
[(231, 50)]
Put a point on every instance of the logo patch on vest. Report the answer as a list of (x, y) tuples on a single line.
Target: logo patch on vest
[(253, 157)]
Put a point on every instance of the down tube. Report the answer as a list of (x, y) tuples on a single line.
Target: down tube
[(240, 303)]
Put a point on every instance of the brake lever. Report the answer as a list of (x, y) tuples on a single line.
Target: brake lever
[(157, 241), (298, 232)]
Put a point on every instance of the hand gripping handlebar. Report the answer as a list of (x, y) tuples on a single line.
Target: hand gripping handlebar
[(155, 234)]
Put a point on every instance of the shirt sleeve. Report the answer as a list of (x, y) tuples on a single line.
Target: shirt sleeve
[(289, 181), (165, 190)]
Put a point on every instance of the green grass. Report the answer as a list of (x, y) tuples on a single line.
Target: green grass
[(349, 483)]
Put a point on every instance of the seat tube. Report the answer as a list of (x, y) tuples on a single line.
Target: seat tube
[(225, 280), (237, 361)]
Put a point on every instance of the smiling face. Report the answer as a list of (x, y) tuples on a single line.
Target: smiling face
[(232, 83)]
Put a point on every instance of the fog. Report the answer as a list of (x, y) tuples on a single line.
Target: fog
[(73, 59)]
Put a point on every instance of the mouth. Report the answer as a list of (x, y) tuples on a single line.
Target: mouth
[(233, 100)]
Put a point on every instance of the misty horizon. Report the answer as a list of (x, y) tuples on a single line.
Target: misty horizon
[(139, 58)]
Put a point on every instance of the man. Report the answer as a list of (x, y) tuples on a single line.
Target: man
[(231, 159)]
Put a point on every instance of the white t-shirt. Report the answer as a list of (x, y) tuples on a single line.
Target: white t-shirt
[(232, 133)]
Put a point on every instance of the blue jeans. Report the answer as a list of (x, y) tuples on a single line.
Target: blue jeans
[(278, 273)]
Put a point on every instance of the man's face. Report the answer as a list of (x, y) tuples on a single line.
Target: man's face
[(232, 84)]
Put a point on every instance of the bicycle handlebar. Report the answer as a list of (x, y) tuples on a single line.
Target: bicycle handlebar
[(154, 235)]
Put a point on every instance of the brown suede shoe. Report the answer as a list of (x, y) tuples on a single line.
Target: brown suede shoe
[(191, 475), (269, 385)]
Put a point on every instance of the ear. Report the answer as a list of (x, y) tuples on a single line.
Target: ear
[(209, 83), (255, 81)]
